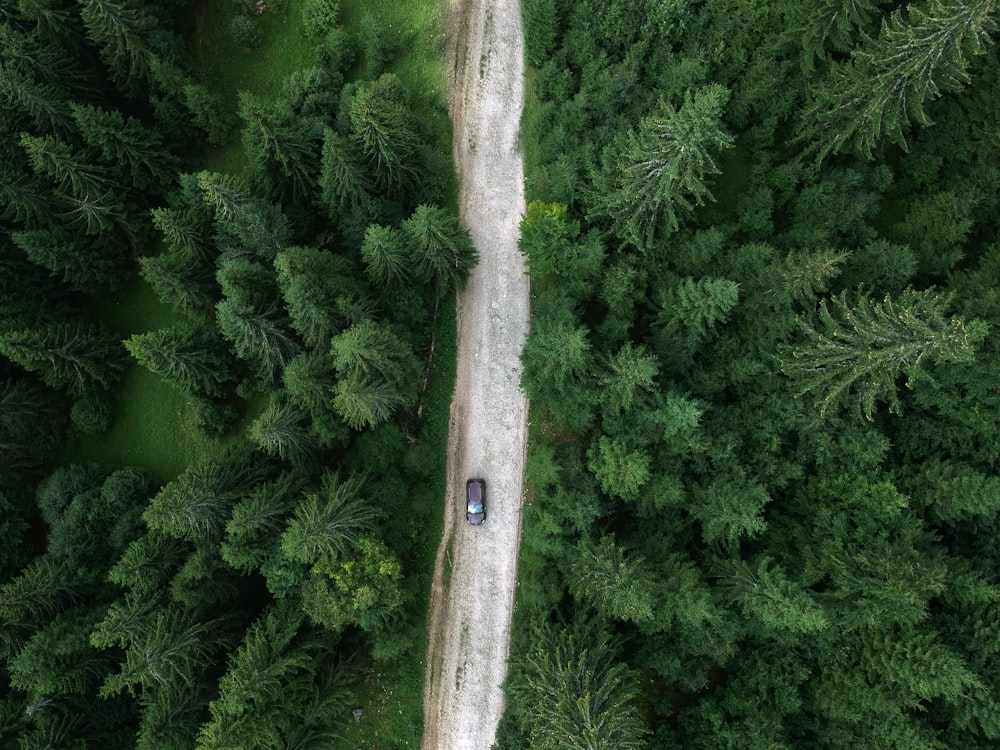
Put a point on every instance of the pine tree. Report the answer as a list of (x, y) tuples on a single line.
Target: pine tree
[(77, 357), (889, 79), (124, 144), (283, 430), (259, 336), (42, 104), (572, 692), (189, 357), (763, 590), (197, 504), (170, 653), (148, 563), (698, 304), (617, 583), (280, 149), (364, 403), (660, 173), (629, 377), (328, 522), (182, 280), (267, 686), (121, 31), (309, 382), (371, 351), (25, 199), (380, 123), (320, 293), (828, 25), (186, 230), (30, 420), (209, 113), (254, 530), (440, 248), (855, 351), (71, 172), (344, 178), (386, 256), (729, 508), (85, 265), (621, 468), (224, 193)]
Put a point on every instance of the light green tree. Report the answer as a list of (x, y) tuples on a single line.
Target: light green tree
[(890, 78), (856, 349), (660, 173), (573, 692)]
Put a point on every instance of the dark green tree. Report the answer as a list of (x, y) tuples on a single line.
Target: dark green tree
[(320, 293), (182, 280), (283, 430), (197, 504), (310, 380), (618, 584), (268, 685), (280, 148), (327, 523), (76, 357), (209, 113), (30, 419), (382, 125), (344, 178), (190, 357), (440, 248), (387, 258), (169, 652), (126, 145), (121, 30), (371, 352), (253, 532), (84, 264)]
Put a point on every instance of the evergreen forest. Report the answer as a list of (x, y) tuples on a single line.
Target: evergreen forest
[(273, 182), (763, 492)]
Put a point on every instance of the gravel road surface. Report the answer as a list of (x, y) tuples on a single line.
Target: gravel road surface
[(476, 571)]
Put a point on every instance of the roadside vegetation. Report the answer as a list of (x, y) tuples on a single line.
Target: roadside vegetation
[(763, 498), (228, 250)]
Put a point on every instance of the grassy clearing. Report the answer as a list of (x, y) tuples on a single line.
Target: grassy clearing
[(227, 68), (416, 36), (154, 424), (153, 429)]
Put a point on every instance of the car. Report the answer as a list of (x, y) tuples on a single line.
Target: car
[(475, 501)]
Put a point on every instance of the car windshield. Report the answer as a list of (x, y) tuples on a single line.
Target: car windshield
[(475, 507)]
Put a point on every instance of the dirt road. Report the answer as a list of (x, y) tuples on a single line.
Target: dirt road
[(476, 571)]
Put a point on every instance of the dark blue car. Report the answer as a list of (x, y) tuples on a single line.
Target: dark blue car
[(475, 501)]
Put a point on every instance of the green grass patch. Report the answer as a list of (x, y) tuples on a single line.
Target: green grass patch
[(390, 697), (153, 429), (415, 36), (228, 68)]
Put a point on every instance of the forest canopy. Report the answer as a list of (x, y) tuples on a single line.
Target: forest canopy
[(763, 247), (297, 241)]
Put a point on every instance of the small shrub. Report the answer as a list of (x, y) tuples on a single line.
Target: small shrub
[(319, 17), (91, 416), (245, 32), (338, 52), (215, 419)]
